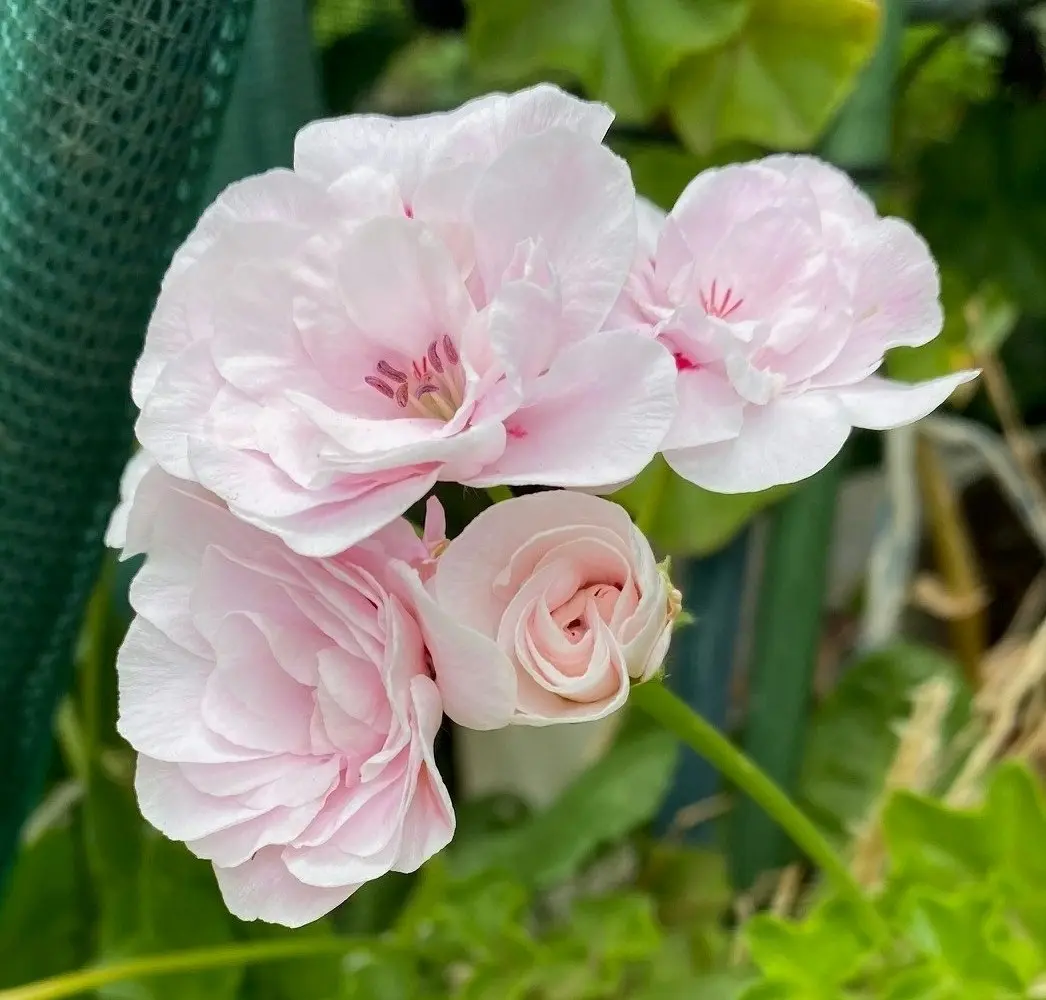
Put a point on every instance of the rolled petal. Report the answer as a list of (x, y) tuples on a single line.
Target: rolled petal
[(879, 403), (476, 681)]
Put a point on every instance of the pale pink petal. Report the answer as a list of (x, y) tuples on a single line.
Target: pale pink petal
[(178, 809), (239, 843), (577, 198), (429, 823), (161, 691), (836, 193), (539, 707), (326, 149), (138, 466), (650, 219), (177, 407), (476, 680), (263, 889), (363, 192), (400, 287), (709, 410), (785, 441), (896, 297), (465, 575), (249, 698), (486, 126), (878, 403), (331, 528), (435, 525), (276, 196), (597, 417)]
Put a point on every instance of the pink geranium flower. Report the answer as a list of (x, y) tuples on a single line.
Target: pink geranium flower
[(418, 300), (281, 706), (778, 289)]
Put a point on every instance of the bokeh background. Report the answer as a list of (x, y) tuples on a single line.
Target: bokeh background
[(881, 627)]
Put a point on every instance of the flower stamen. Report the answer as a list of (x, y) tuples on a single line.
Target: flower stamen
[(720, 308), (432, 385)]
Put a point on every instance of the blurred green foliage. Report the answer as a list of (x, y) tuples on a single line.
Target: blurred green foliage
[(853, 735), (965, 896), (765, 71), (610, 915)]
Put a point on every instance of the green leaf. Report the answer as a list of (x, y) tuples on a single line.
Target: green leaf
[(684, 519), (44, 920), (821, 953), (958, 932), (1015, 816), (989, 181), (179, 906), (930, 843), (383, 974), (778, 81), (787, 637), (319, 977), (618, 928), (619, 793), (622, 51), (334, 19), (852, 738), (960, 71), (449, 917), (113, 841)]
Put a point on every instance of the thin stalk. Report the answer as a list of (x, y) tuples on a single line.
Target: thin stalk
[(956, 559), (71, 984), (674, 714)]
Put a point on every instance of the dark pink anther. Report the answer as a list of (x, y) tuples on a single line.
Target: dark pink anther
[(450, 350), (392, 373), (422, 390), (516, 432), (434, 359), (402, 394), (383, 387), (685, 364)]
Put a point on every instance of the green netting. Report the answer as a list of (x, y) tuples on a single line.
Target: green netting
[(108, 114)]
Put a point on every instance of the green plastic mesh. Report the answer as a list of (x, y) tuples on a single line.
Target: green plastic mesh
[(109, 110)]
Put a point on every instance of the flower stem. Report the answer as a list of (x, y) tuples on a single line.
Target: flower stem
[(677, 717), (499, 493), (84, 980)]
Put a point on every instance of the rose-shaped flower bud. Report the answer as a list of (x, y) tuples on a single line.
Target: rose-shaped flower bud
[(543, 610), (778, 290), (281, 706)]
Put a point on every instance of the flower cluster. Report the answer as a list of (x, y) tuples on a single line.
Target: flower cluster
[(478, 298)]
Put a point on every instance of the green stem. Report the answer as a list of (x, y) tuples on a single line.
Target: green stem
[(84, 980), (499, 493), (677, 717)]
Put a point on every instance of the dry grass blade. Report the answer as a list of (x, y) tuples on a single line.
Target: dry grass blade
[(915, 767), (955, 557), (1009, 706)]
